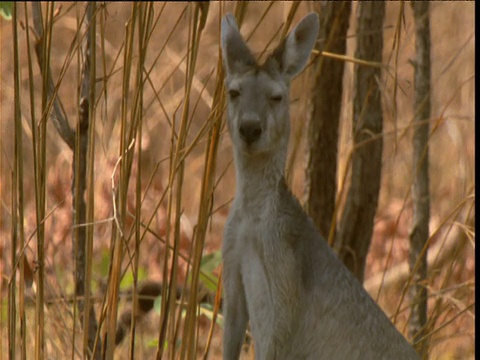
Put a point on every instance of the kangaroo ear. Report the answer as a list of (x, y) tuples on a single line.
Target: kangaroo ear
[(237, 57), (292, 54)]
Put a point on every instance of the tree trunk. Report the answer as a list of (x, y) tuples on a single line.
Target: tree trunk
[(356, 226), (79, 169), (325, 116), (419, 232)]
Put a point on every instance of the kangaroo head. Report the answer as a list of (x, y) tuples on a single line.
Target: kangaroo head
[(258, 94)]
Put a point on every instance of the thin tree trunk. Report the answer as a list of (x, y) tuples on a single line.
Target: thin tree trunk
[(419, 232), (78, 142), (356, 225), (325, 116), (82, 280), (17, 231)]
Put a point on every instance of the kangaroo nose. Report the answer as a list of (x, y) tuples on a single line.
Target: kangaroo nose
[(250, 131)]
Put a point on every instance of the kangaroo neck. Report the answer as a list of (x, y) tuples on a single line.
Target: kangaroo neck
[(258, 177)]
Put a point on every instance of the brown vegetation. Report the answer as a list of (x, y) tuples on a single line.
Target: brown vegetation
[(171, 171)]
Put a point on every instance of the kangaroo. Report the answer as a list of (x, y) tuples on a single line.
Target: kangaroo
[(279, 272)]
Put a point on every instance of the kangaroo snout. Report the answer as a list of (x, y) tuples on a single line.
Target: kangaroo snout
[(250, 131)]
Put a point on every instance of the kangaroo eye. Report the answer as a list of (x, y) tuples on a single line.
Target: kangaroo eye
[(276, 98), (233, 93)]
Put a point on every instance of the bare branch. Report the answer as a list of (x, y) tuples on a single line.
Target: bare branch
[(59, 118)]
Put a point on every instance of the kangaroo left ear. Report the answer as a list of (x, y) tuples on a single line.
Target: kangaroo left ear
[(293, 53), (237, 57)]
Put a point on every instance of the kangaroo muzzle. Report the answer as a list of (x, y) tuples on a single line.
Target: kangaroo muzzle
[(250, 131)]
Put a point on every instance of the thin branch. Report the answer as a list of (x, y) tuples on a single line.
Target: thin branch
[(59, 118), (419, 232)]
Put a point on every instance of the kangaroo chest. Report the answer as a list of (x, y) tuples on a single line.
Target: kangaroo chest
[(255, 274)]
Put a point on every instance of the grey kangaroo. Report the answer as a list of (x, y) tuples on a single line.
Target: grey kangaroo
[(278, 271)]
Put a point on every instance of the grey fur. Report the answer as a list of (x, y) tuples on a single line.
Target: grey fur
[(278, 271)]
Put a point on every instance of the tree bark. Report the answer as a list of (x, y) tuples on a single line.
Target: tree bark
[(80, 160), (356, 225), (325, 115), (419, 232)]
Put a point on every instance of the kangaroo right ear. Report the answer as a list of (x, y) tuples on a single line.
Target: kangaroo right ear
[(237, 57), (293, 54)]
